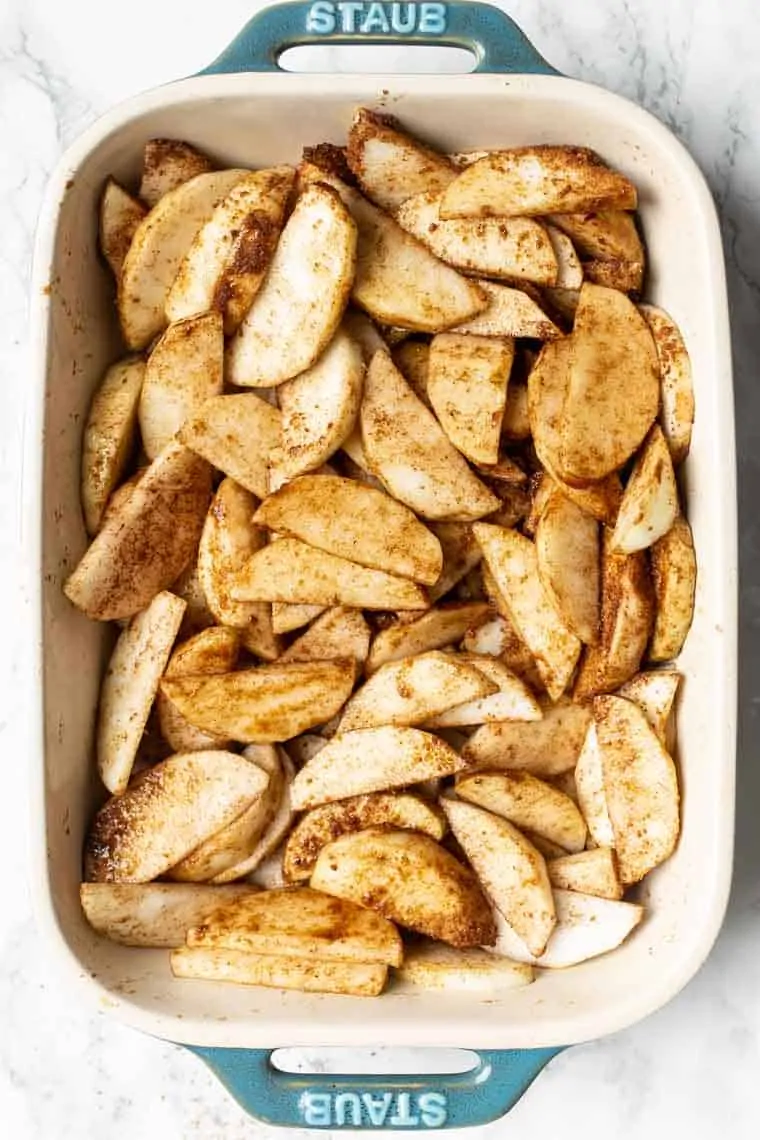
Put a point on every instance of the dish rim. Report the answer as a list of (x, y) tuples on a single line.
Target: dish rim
[(287, 1030)]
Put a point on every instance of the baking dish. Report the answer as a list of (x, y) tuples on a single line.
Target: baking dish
[(244, 111)]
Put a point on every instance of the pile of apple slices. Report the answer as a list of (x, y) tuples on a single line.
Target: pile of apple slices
[(384, 504)]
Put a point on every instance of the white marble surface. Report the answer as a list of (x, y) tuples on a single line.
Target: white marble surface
[(692, 1069)]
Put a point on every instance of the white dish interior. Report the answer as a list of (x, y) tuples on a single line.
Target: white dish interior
[(257, 120)]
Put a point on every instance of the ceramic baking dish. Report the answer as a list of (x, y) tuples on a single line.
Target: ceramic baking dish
[(244, 111)]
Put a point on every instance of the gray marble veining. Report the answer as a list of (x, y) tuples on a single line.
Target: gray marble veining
[(690, 1070)]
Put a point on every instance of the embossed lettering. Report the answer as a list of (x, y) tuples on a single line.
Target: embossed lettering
[(344, 1110), (375, 20), (316, 1109), (377, 1107), (349, 10), (433, 1109), (356, 18), (403, 1117), (348, 1105), (432, 19), (406, 22), (321, 18)]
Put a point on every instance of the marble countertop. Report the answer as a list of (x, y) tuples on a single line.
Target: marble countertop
[(690, 1070)]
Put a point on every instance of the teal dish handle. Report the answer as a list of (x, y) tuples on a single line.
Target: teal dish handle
[(494, 1086), (494, 39), (379, 1103)]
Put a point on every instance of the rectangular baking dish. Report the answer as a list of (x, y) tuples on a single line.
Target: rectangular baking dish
[(256, 118)]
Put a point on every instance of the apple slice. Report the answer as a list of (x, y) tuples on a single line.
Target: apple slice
[(359, 326), (512, 701), (506, 475), (676, 391), (146, 540), (168, 811), (229, 538), (674, 573), (650, 501), (589, 872), (109, 436), (339, 632), (167, 163), (627, 276), (545, 747), (545, 846), (604, 235), (262, 859), (228, 260), (510, 312), (547, 386), (435, 629), (299, 923), (389, 164), (467, 388), (160, 243), (534, 180), (640, 787), (211, 651), (229, 846), (516, 249), (409, 878), (529, 803), (372, 760), (587, 927), (512, 560), (120, 215), (567, 550), (322, 825), (589, 786), (435, 966), (412, 358), (291, 571), (237, 434), (354, 522), (269, 703), (497, 637), (409, 451), (289, 616), (353, 449), (183, 371), (197, 614), (516, 425), (627, 619), (542, 489), (130, 685), (320, 407), (152, 914), (357, 979), (298, 308), (569, 268), (461, 554), (414, 690), (512, 872), (268, 874), (398, 281), (654, 692), (613, 386)]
